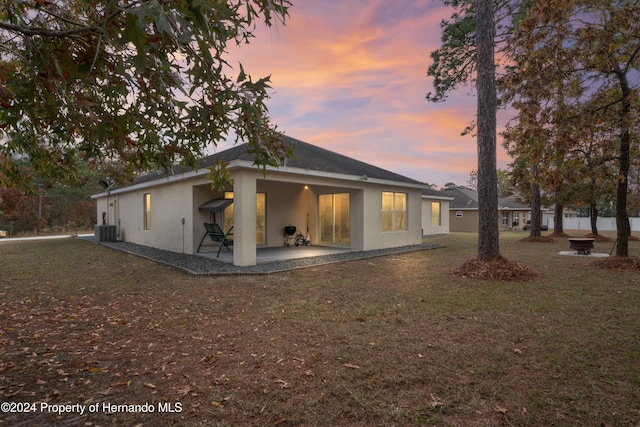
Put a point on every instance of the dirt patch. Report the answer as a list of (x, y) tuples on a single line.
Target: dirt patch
[(599, 237), (539, 239), (500, 269), (617, 263), (558, 235)]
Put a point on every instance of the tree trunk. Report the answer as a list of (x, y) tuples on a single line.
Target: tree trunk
[(536, 220), (593, 216), (622, 216), (39, 219), (488, 240), (558, 226)]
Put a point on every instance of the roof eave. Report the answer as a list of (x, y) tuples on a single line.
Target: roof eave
[(324, 174), (427, 196), (246, 164)]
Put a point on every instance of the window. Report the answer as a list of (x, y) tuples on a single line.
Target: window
[(394, 211), (458, 214), (147, 211), (261, 218), (436, 219), (505, 218)]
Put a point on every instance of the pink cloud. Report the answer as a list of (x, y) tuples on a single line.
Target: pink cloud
[(351, 77)]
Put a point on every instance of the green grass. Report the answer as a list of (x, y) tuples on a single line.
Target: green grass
[(395, 340)]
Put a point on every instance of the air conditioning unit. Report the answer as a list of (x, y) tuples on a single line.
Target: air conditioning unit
[(105, 233)]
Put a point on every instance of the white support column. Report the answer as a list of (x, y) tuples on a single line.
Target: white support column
[(244, 218)]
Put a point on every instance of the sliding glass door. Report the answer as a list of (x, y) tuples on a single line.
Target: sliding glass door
[(334, 218)]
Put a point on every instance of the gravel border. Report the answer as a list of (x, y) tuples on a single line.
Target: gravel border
[(200, 266)]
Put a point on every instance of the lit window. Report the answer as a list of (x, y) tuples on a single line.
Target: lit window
[(147, 211), (394, 211), (436, 219)]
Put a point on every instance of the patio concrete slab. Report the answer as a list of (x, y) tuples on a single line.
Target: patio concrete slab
[(304, 256), (278, 253)]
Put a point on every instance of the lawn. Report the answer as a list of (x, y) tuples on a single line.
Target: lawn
[(395, 340)]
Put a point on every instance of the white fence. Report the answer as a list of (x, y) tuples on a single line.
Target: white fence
[(585, 223)]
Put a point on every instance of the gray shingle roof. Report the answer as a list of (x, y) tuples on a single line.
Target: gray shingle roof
[(305, 156), (511, 202), (463, 197), (467, 198), (431, 192)]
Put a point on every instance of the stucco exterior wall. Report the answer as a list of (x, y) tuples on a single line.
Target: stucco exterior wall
[(427, 225), (177, 225), (170, 203), (374, 237), (468, 222), (287, 204)]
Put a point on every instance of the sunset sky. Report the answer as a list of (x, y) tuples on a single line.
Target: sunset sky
[(350, 76)]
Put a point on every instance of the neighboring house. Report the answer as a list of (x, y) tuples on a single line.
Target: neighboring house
[(463, 211), (435, 212), (513, 214), (337, 200)]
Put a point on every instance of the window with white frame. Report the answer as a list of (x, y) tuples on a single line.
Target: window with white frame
[(394, 211), (458, 214)]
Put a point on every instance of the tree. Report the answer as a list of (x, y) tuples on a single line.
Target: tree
[(468, 44), (139, 83), (488, 240), (53, 206), (505, 187), (597, 46)]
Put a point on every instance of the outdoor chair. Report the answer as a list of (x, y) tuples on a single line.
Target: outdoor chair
[(218, 236)]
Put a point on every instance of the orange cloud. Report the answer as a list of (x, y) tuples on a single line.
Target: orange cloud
[(351, 77)]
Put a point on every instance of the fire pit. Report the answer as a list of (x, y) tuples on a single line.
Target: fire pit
[(582, 244)]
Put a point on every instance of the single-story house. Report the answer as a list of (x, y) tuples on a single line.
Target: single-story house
[(334, 199), (435, 212), (463, 211)]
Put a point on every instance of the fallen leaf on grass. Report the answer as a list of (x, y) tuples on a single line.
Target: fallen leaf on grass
[(121, 384), (435, 402), (517, 351), (149, 385), (16, 392), (501, 409), (6, 367), (282, 383), (184, 391), (351, 365)]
